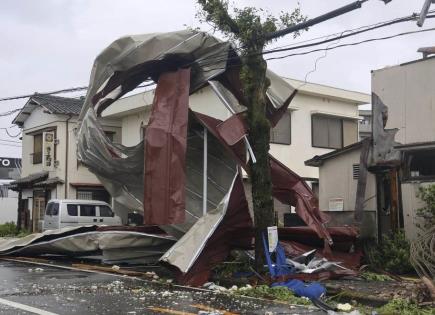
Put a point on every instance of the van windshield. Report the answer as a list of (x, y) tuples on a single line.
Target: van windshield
[(52, 208)]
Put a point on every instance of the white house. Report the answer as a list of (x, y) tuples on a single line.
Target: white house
[(49, 163), (320, 119), (403, 105)]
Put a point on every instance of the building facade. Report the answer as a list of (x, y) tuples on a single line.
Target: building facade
[(406, 91), (402, 151), (50, 169), (320, 119)]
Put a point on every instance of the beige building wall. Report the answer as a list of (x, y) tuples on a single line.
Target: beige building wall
[(133, 111), (39, 120), (408, 91), (336, 181)]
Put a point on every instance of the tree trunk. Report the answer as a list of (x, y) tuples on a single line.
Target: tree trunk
[(253, 76)]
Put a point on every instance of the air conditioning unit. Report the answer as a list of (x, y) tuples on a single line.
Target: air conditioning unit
[(56, 141), (56, 163)]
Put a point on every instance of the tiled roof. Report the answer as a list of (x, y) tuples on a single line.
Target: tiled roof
[(30, 179), (59, 105)]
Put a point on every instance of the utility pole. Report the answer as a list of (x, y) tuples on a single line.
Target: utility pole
[(424, 12), (322, 18)]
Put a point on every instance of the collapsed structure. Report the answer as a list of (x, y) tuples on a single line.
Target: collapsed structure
[(165, 176), (186, 174)]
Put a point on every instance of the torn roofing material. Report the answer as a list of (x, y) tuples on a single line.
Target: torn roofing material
[(171, 155)]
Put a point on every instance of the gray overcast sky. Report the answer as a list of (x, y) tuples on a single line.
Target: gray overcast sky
[(51, 44)]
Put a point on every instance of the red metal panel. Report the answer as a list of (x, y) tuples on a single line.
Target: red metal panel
[(165, 150), (288, 187), (234, 231)]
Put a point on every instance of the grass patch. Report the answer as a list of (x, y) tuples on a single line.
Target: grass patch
[(372, 276), (281, 294), (9, 229), (404, 307)]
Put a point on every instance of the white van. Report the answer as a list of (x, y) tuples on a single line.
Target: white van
[(63, 212)]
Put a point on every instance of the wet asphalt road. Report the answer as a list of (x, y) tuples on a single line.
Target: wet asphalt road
[(62, 291)]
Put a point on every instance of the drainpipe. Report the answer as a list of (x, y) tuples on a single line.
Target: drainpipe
[(66, 155)]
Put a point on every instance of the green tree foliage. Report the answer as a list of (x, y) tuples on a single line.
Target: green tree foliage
[(392, 254), (427, 195), (248, 28)]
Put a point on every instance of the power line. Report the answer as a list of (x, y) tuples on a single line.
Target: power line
[(10, 112), (360, 31), (353, 44), (10, 135), (69, 90), (216, 59), (12, 141), (11, 145)]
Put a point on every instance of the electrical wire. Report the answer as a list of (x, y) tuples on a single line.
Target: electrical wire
[(215, 59), (10, 135), (12, 141), (353, 44), (11, 145)]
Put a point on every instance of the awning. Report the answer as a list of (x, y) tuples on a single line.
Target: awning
[(49, 182), (29, 180)]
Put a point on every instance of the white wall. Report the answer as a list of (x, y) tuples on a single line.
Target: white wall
[(300, 149), (39, 120), (133, 113), (336, 181), (9, 205)]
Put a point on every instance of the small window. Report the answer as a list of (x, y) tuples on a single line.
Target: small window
[(281, 133), (37, 149), (72, 210), (327, 132), (105, 211), (420, 164), (87, 211), (355, 171), (110, 135), (55, 209)]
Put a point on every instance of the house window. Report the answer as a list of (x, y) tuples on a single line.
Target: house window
[(327, 132), (110, 135), (420, 164), (93, 193), (281, 133), (37, 149)]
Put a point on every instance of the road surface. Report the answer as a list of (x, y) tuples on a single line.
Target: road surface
[(25, 289)]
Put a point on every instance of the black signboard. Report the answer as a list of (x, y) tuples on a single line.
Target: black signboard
[(10, 168)]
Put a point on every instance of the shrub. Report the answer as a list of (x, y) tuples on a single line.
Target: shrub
[(8, 229), (427, 195), (392, 254)]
